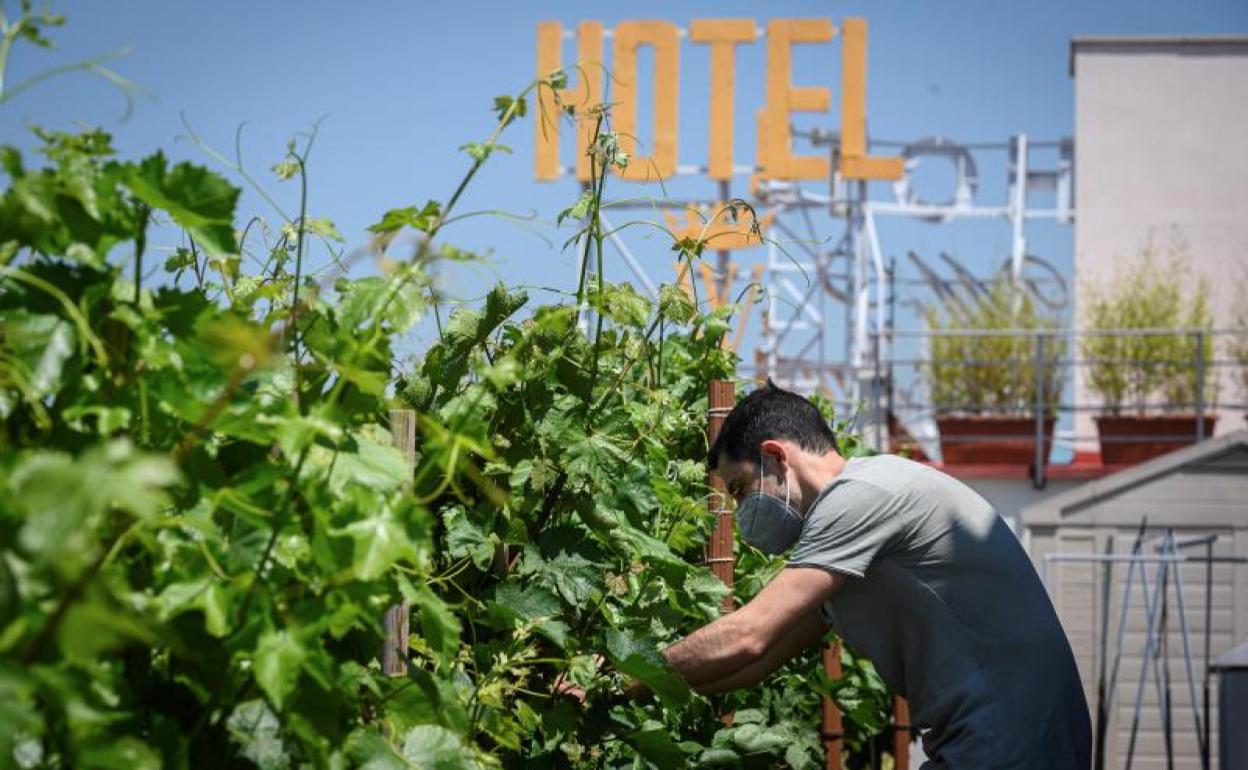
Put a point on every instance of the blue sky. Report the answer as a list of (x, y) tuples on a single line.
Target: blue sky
[(403, 84)]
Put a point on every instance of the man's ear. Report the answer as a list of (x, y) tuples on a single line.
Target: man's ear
[(777, 451)]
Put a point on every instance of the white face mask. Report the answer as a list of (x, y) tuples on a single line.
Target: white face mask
[(768, 523)]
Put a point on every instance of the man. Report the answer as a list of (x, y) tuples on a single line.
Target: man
[(914, 570)]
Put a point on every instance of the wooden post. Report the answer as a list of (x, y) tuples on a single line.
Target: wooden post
[(719, 551), (403, 435), (833, 729), (901, 733), (394, 647)]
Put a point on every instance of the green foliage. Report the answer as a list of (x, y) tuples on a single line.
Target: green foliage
[(203, 518), (198, 200), (421, 219), (1147, 371), (199, 544), (993, 374)]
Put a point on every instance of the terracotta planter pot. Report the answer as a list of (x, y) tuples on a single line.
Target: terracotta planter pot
[(900, 442), (1128, 440), (991, 440)]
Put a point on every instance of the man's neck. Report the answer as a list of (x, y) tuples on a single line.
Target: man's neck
[(818, 473)]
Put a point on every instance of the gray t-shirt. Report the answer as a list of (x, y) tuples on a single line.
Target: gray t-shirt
[(948, 607)]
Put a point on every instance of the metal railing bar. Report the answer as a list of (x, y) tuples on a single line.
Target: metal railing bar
[(1071, 333), (1068, 363)]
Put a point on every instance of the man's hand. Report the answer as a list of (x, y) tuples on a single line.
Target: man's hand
[(564, 687), (742, 647), (714, 657), (633, 689), (636, 690)]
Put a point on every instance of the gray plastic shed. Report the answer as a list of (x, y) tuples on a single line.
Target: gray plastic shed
[(1232, 669), (1197, 492)]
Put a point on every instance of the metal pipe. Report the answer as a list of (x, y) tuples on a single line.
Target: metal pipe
[(1188, 542), (1200, 387), (1018, 205), (1037, 477), (1187, 655), (1148, 332), (1163, 650), (875, 394), (1151, 605), (1144, 559), (1102, 709), (629, 260), (1208, 669), (1122, 617)]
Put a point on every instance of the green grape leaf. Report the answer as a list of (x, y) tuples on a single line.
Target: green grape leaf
[(571, 575), (638, 657), (467, 538), (255, 729), (395, 220), (370, 751), (395, 299), (656, 744), (276, 664), (439, 626), (57, 493), (431, 747), (124, 753), (379, 540), (196, 198), (529, 604), (37, 348)]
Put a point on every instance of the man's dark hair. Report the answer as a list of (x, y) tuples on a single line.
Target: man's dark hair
[(770, 413)]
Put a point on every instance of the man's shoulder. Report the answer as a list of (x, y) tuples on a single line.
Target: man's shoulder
[(898, 487), (883, 471), (865, 482), (896, 472)]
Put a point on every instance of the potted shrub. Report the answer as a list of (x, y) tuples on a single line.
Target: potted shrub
[(1149, 383), (984, 387)]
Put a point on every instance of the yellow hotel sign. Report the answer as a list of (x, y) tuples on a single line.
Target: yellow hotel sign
[(775, 159)]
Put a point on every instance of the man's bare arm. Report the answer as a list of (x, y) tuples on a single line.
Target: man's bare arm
[(742, 638), (809, 631)]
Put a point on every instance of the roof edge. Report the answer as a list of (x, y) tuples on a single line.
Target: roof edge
[(1131, 41), (1049, 510)]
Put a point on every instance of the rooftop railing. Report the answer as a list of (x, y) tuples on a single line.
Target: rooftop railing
[(918, 377)]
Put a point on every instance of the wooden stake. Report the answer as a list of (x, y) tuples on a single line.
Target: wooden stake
[(833, 730), (719, 551), (403, 436), (394, 647), (901, 733)]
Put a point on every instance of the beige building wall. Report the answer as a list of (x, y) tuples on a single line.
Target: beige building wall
[(1161, 142)]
